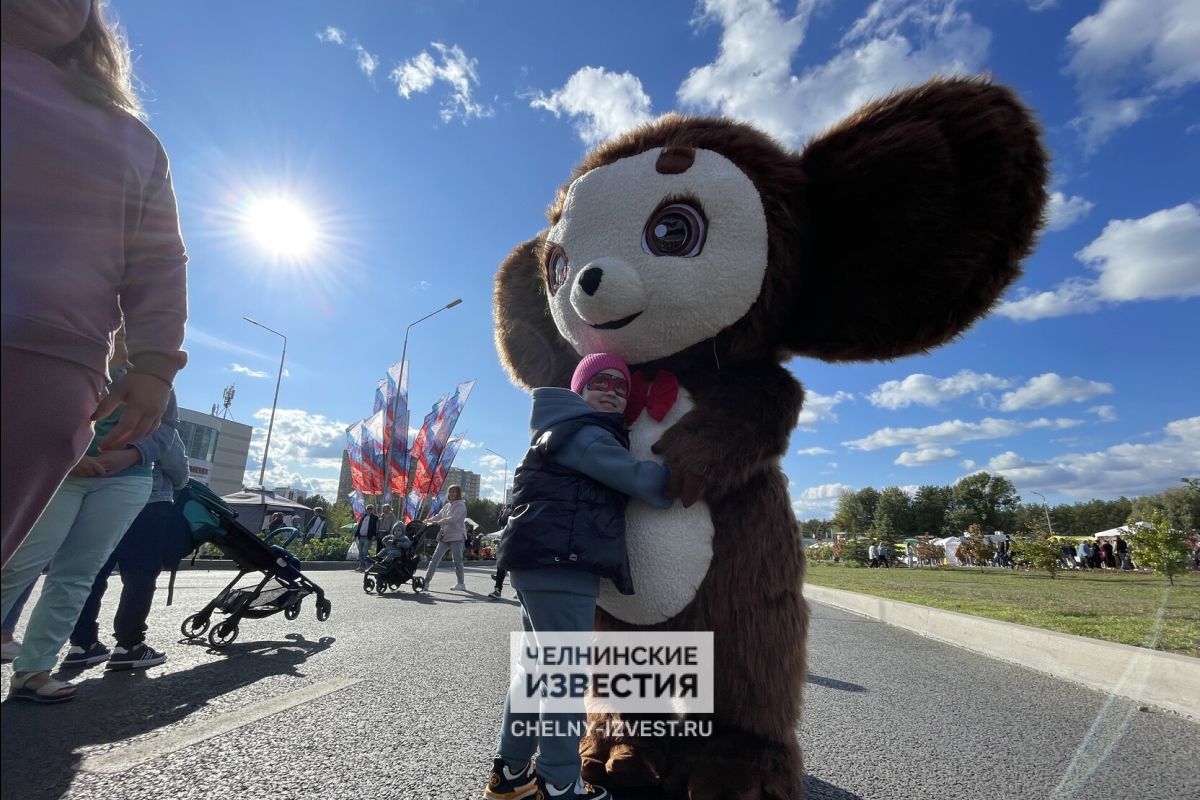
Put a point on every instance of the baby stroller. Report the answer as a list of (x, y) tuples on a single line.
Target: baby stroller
[(283, 586), (397, 562)]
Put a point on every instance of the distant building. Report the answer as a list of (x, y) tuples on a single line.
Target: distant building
[(466, 480), (344, 485), (289, 492), (217, 449)]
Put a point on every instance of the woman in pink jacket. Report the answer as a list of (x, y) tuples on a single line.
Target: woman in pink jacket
[(90, 230)]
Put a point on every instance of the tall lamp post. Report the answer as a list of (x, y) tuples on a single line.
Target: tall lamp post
[(1046, 508), (262, 473), (403, 369), (504, 488)]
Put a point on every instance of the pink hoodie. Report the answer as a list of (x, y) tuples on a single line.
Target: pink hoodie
[(90, 227)]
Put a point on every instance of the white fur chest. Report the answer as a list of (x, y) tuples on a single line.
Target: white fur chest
[(670, 549)]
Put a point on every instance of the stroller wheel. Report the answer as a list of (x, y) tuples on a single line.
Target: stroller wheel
[(292, 611), (368, 583), (223, 635), (323, 609), (194, 626), (381, 586), (418, 584)]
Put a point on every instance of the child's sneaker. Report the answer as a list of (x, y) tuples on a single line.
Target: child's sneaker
[(84, 657), (579, 790), (494, 594), (505, 784), (137, 657)]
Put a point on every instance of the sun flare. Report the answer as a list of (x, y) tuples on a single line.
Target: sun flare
[(282, 227)]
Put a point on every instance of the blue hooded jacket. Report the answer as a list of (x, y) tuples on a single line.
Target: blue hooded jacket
[(569, 497)]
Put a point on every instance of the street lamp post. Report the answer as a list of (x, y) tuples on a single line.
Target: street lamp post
[(403, 370), (262, 473), (1046, 508), (504, 488)]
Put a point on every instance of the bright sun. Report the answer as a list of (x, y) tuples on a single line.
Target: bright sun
[(281, 226)]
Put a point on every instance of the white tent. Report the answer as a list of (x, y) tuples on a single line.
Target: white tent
[(1124, 530)]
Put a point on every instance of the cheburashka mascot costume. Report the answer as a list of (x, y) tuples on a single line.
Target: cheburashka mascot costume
[(706, 255)]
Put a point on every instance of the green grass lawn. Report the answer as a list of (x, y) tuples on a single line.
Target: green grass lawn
[(1136, 609)]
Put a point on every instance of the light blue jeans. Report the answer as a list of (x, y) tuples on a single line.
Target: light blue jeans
[(76, 533), (439, 553)]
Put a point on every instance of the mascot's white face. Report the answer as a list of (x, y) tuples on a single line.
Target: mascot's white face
[(644, 264)]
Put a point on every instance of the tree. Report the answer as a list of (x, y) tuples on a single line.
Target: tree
[(976, 548), (989, 501), (1034, 548), (929, 553), (893, 512), (336, 516), (929, 509), (868, 498), (1160, 546), (1180, 505), (484, 512)]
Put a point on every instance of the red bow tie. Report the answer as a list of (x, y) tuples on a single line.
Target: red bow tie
[(655, 396)]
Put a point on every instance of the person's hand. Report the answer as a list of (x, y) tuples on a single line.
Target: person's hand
[(144, 398), (116, 460), (88, 467)]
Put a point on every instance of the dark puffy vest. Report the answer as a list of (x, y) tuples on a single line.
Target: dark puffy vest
[(563, 518)]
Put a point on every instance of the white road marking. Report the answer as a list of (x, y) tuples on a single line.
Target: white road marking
[(126, 758)]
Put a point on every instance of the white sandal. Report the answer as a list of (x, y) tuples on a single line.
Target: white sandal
[(50, 691)]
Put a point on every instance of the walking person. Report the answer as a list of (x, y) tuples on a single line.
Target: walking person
[(90, 231), (76, 534), (500, 574), (364, 534), (571, 489), (316, 526), (139, 557), (452, 536)]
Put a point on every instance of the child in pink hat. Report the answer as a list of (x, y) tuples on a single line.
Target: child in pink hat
[(566, 532)]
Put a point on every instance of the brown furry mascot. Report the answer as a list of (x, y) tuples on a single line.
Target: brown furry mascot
[(705, 255)]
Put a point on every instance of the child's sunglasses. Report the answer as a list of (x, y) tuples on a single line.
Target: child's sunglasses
[(600, 382)]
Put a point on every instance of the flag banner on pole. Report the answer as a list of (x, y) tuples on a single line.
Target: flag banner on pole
[(354, 453), (424, 460), (358, 504), (397, 453), (380, 396), (439, 486), (428, 450), (372, 452)]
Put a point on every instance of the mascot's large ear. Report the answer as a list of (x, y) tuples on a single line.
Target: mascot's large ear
[(530, 347), (913, 216)]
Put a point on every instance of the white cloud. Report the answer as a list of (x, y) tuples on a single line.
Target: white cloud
[(1063, 211), (603, 103), (926, 390), (819, 408), (244, 370), (1041, 5), (954, 431), (332, 35), (1126, 57), (450, 66), (894, 44), (1104, 413), (1052, 389), (1123, 469), (306, 450), (967, 463), (819, 499), (1151, 258), (813, 451), (925, 455)]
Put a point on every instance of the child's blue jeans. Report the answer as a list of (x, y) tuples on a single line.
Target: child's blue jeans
[(558, 756)]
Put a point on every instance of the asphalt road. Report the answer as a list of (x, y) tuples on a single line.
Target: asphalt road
[(399, 697)]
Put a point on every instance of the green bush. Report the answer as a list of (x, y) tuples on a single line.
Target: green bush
[(331, 548), (856, 551)]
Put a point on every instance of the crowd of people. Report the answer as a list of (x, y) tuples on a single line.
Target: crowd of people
[(1097, 554)]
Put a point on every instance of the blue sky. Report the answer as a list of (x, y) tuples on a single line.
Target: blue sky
[(426, 139)]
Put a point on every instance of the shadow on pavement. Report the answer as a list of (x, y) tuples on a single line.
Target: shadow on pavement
[(832, 683), (814, 789), (39, 744)]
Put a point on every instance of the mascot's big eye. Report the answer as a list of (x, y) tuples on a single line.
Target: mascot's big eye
[(677, 229), (556, 267)]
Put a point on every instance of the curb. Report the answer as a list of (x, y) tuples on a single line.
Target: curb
[(1165, 680)]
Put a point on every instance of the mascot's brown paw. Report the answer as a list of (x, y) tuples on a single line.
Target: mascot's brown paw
[(620, 764), (726, 769)]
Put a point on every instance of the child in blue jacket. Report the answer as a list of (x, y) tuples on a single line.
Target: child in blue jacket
[(566, 532)]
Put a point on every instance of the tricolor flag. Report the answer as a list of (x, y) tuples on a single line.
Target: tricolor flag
[(438, 487), (354, 453), (431, 441), (358, 505), (397, 433), (372, 452)]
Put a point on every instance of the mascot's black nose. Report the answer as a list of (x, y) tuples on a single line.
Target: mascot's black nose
[(589, 281)]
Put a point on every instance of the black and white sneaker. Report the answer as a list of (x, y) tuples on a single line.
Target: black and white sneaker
[(84, 657), (579, 790), (507, 784), (138, 657)]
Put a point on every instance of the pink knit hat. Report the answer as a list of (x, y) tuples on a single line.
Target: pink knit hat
[(596, 362)]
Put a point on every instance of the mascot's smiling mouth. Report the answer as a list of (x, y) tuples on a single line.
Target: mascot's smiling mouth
[(617, 323)]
